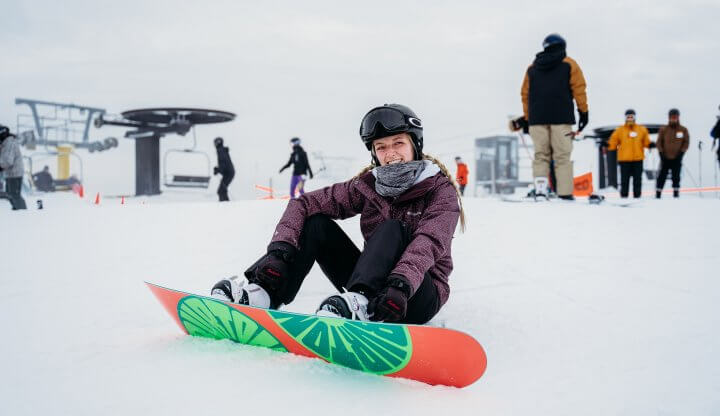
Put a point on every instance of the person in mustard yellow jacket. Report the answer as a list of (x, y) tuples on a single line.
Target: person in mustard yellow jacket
[(630, 140)]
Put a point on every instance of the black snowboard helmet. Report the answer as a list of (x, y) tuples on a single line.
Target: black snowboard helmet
[(218, 141), (295, 141), (674, 112), (4, 132), (629, 111), (392, 119), (554, 41)]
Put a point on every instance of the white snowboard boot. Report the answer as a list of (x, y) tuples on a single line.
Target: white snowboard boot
[(348, 305), (241, 292), (541, 187)]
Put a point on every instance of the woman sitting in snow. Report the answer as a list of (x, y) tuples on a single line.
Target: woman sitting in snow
[(409, 208)]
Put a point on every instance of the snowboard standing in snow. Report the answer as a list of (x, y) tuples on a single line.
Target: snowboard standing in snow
[(423, 353)]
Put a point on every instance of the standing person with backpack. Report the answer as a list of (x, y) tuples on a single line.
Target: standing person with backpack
[(673, 141), (409, 208), (13, 168), (225, 168), (550, 85), (301, 167)]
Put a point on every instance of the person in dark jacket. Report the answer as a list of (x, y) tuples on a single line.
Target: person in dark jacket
[(673, 141), (409, 209), (225, 168), (715, 134), (548, 89), (301, 167), (13, 169), (43, 180)]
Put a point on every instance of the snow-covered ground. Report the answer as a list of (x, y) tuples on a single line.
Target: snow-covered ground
[(592, 310)]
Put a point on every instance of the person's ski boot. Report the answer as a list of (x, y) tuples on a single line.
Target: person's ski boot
[(658, 193), (676, 192), (568, 198), (243, 293), (596, 199), (348, 305)]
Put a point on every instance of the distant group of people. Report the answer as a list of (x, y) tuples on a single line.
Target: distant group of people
[(550, 85), (630, 141)]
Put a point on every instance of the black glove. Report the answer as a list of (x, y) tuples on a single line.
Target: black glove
[(519, 123), (390, 305), (216, 170), (680, 156), (272, 271), (652, 145), (583, 121)]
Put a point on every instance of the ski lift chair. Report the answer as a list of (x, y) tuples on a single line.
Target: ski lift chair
[(187, 181)]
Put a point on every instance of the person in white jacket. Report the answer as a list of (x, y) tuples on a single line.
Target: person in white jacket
[(11, 164)]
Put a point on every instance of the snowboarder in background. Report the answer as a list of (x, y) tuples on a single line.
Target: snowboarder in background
[(301, 167), (409, 209), (630, 141), (43, 180), (548, 89), (461, 175), (11, 164), (715, 134), (672, 143), (225, 168)]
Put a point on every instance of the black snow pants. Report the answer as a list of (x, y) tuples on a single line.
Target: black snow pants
[(632, 170), (224, 183), (323, 241), (669, 165), (13, 189)]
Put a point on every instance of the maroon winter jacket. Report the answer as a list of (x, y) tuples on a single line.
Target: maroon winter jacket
[(429, 210)]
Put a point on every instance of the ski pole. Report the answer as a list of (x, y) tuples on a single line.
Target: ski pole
[(700, 164)]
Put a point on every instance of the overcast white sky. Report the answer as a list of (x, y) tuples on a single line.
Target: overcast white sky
[(313, 68)]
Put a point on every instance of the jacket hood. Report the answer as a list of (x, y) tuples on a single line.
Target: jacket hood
[(549, 59)]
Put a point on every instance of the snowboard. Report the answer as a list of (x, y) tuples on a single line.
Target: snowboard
[(604, 201), (432, 355)]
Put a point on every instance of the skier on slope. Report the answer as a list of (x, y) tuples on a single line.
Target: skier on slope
[(225, 168), (630, 140), (12, 167), (461, 175), (715, 134), (301, 167), (409, 208), (550, 85)]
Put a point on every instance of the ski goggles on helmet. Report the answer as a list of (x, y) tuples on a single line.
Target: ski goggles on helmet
[(386, 120)]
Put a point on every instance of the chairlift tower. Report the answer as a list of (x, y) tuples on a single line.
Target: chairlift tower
[(148, 127)]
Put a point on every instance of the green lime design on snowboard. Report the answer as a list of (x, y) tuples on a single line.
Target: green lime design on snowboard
[(371, 347), (210, 318)]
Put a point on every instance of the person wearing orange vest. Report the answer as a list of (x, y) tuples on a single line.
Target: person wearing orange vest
[(630, 141), (461, 175)]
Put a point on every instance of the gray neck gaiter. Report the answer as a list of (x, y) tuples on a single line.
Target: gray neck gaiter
[(393, 180)]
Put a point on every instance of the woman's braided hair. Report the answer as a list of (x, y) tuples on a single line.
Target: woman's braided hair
[(445, 172)]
